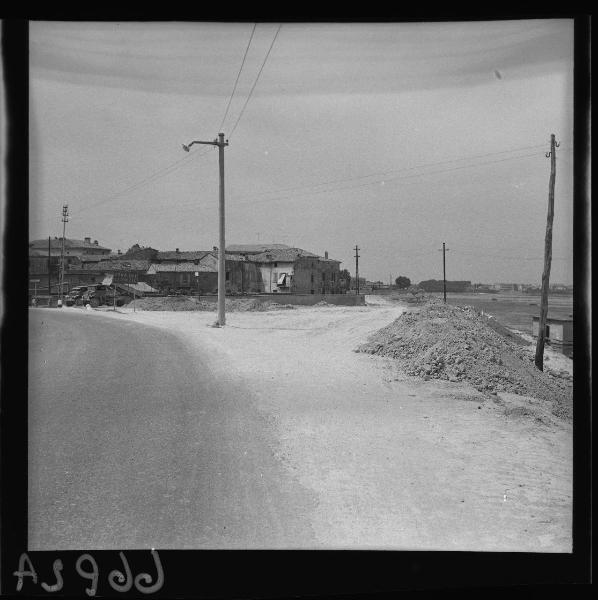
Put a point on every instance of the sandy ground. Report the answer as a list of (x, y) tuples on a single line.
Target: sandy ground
[(395, 462)]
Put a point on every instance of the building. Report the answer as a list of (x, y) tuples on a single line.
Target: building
[(183, 276), (197, 272), (115, 270), (559, 333), (46, 253), (296, 271)]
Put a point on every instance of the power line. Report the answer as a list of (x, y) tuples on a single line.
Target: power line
[(387, 179), (503, 257), (254, 83), (237, 80), (314, 192), (388, 171), (149, 179)]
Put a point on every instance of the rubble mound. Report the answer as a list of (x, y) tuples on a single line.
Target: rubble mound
[(188, 303), (457, 343)]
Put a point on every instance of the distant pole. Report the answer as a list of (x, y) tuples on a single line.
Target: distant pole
[(444, 249), (539, 359), (356, 270), (65, 218), (221, 143)]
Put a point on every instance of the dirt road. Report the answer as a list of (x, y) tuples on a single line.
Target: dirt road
[(393, 462)]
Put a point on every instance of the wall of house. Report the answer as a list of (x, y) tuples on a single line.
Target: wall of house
[(271, 272), (205, 283), (312, 276), (243, 277)]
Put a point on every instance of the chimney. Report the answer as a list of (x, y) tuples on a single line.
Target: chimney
[(95, 243), (88, 240), (326, 254)]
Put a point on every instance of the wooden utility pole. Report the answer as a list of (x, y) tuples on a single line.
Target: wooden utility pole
[(356, 270), (539, 360), (444, 250), (222, 247)]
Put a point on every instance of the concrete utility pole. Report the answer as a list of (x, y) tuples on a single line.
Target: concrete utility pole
[(65, 218), (356, 270), (539, 359), (222, 246), (49, 269), (444, 250)]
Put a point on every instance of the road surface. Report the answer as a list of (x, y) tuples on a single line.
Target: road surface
[(134, 443)]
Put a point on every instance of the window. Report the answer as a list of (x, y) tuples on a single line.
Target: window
[(323, 276), (275, 264), (228, 276), (274, 276), (312, 280)]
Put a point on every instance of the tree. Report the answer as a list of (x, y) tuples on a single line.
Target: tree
[(344, 274), (402, 282)]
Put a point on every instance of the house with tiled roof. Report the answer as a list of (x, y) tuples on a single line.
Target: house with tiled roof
[(288, 270), (49, 250)]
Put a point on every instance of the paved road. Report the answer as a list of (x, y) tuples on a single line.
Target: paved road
[(134, 444)]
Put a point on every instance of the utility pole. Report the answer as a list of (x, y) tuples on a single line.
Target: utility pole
[(49, 270), (65, 218), (222, 246), (356, 270), (444, 250), (539, 359)]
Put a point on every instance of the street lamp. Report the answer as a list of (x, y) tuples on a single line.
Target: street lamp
[(222, 247)]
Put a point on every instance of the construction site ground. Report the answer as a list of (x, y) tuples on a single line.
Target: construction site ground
[(398, 458)]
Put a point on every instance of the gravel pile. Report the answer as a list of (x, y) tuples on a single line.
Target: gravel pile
[(457, 343), (187, 303)]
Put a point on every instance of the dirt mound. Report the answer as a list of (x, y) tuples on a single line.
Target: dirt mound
[(457, 343), (188, 303)]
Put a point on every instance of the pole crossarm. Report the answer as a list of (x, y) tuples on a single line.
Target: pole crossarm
[(187, 147)]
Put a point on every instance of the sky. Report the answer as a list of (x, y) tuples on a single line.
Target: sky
[(395, 137)]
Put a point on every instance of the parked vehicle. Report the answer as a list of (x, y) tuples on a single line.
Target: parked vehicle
[(96, 295), (75, 294)]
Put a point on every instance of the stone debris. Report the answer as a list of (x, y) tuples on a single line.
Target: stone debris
[(188, 303), (459, 344)]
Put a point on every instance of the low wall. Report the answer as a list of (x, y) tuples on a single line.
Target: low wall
[(300, 299)]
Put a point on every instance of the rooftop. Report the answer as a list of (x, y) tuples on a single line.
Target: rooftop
[(116, 265), (71, 243), (183, 256), (282, 255), (179, 267), (254, 248)]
